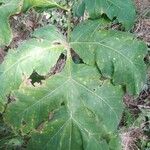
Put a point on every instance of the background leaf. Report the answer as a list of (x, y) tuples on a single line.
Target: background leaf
[(79, 8), (39, 4), (7, 8), (123, 11), (12, 7)]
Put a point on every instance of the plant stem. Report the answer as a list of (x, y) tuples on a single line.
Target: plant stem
[(63, 8), (69, 25)]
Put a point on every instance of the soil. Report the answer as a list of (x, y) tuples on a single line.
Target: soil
[(142, 26)]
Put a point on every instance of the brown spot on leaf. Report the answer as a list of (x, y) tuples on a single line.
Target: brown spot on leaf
[(41, 126), (56, 43), (26, 80), (50, 116)]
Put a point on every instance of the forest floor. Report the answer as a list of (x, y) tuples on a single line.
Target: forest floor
[(142, 26)]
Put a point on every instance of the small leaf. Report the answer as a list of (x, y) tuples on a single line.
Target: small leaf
[(85, 113), (39, 4), (7, 9), (118, 55), (79, 8), (12, 7), (39, 53)]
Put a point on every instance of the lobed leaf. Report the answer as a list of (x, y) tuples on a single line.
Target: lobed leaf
[(118, 55), (74, 109), (39, 53), (71, 110), (123, 11)]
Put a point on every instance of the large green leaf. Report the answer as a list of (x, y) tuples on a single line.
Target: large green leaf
[(74, 109), (118, 55), (124, 11), (39, 53), (71, 110)]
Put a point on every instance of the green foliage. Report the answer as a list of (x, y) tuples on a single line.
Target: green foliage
[(39, 53), (80, 107), (124, 11), (114, 52), (65, 107), (39, 3), (9, 8)]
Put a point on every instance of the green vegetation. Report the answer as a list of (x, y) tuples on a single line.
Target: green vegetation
[(63, 87)]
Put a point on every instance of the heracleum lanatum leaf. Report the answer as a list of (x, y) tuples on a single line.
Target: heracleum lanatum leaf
[(74, 109), (71, 110), (118, 55), (124, 11), (39, 53)]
